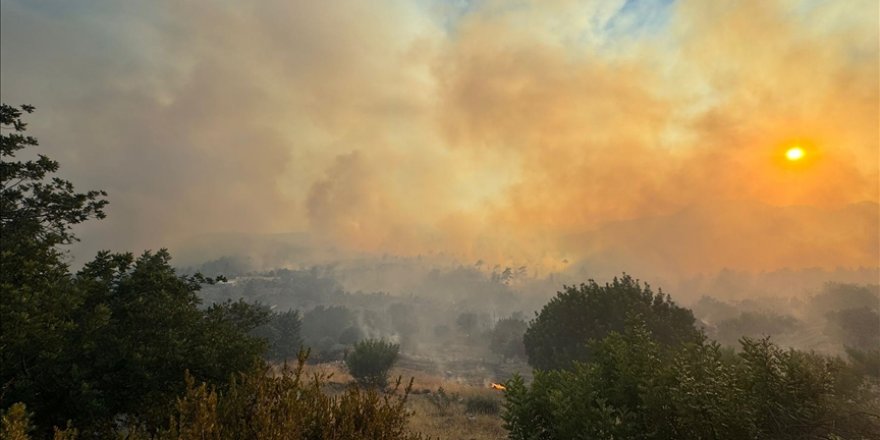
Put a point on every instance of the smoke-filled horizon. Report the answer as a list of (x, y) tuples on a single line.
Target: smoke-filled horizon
[(640, 136)]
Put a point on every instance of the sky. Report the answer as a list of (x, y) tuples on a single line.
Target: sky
[(619, 135)]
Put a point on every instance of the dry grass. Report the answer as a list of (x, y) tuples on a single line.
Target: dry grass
[(439, 416), (452, 423), (435, 419)]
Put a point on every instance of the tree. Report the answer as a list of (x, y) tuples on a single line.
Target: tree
[(633, 388), (371, 360), (405, 322), (34, 210), (282, 334), (351, 335), (857, 327), (559, 334), (38, 302), (470, 323), (112, 342), (507, 338), (139, 329), (264, 405), (754, 325)]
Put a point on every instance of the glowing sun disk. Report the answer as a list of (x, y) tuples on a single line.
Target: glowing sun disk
[(794, 153)]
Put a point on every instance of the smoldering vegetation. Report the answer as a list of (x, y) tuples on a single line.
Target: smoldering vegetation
[(474, 315), (838, 317), (462, 322)]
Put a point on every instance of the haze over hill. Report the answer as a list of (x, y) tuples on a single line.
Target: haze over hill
[(570, 138)]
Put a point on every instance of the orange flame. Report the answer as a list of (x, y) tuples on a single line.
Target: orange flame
[(497, 386)]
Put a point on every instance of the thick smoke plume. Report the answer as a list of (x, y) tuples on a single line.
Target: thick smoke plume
[(559, 135)]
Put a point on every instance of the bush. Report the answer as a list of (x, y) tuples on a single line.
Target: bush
[(754, 325), (632, 386), (371, 360), (322, 326), (442, 400), (507, 338), (351, 335), (260, 406), (112, 341), (858, 327), (282, 333), (559, 335)]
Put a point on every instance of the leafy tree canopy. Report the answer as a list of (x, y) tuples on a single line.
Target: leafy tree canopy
[(113, 341), (559, 334), (371, 360), (633, 388)]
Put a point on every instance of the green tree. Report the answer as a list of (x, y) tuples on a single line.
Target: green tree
[(559, 334), (282, 333), (857, 327), (112, 342), (39, 305), (321, 328), (754, 325), (507, 338), (371, 360), (634, 388)]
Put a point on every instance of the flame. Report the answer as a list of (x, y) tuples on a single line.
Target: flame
[(497, 386)]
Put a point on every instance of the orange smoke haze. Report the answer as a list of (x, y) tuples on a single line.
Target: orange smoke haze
[(618, 135)]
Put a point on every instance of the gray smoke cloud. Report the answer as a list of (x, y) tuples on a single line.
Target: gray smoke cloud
[(560, 135)]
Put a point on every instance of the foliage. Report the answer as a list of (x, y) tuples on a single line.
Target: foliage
[(135, 329), (371, 360), (351, 335), (35, 211), (38, 303), (507, 338), (110, 343), (841, 296), (15, 424), (470, 323), (857, 327), (754, 325), (632, 388), (865, 362), (261, 406), (559, 334), (321, 328), (282, 334)]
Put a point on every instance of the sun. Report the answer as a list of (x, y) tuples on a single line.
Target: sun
[(794, 153)]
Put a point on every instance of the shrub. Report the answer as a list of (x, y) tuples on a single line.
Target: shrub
[(15, 424), (632, 386), (558, 336), (858, 327), (442, 400), (261, 405), (754, 325), (351, 335), (282, 333), (507, 338), (322, 326), (371, 360)]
